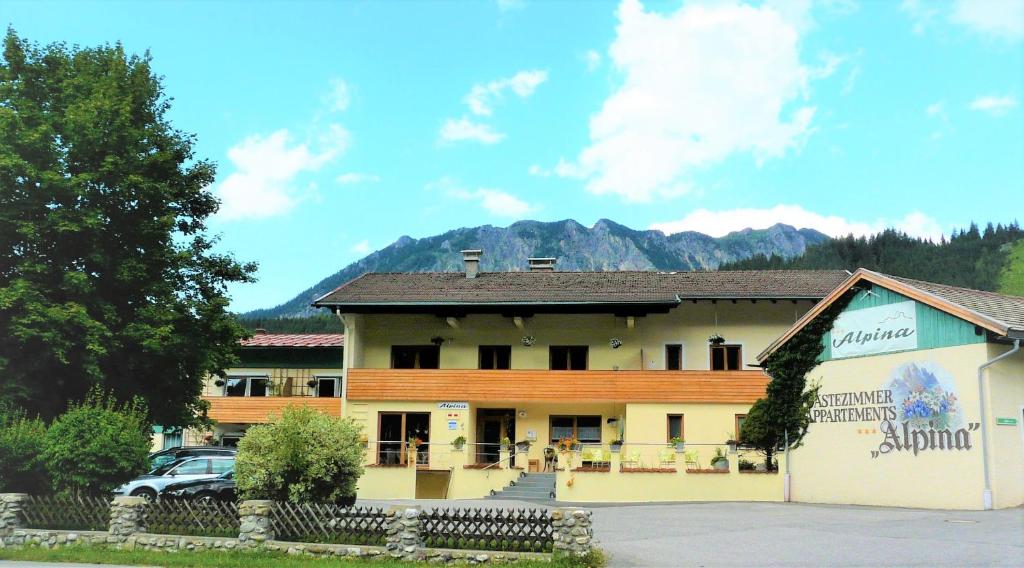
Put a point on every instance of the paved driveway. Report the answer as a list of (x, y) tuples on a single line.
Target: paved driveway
[(791, 534)]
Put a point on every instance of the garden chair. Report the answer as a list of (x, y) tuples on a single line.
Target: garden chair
[(690, 457), (588, 456), (632, 459), (666, 457)]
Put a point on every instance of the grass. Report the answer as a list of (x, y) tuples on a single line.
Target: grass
[(240, 559)]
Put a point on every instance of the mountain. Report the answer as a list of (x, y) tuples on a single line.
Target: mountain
[(605, 246), (991, 259)]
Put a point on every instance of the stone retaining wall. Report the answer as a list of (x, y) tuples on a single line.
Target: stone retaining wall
[(572, 535)]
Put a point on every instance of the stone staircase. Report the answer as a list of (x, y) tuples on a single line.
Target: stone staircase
[(530, 487)]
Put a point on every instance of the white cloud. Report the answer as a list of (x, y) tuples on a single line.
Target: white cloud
[(592, 59), (350, 178), (362, 247), (700, 84), (994, 105), (509, 5), (263, 183), (536, 170), (935, 109), (718, 223), (1002, 19), (465, 129), (339, 98), (482, 97), (496, 202), (999, 19)]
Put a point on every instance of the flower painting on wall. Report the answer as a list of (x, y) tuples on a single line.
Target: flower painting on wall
[(925, 396)]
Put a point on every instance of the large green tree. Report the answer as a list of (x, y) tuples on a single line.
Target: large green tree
[(107, 275)]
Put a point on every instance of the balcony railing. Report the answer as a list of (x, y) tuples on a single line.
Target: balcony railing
[(254, 399), (528, 385)]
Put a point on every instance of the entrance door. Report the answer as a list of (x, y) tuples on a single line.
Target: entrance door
[(492, 425)]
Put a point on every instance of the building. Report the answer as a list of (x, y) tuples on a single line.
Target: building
[(539, 356), (921, 402), (274, 371)]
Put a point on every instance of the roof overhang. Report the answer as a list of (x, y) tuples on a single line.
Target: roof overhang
[(862, 274), (457, 309)]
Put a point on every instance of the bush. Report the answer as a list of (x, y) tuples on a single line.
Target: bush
[(21, 447), (304, 456), (98, 444)]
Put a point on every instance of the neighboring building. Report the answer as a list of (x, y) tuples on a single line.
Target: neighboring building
[(275, 370), (539, 356), (900, 420)]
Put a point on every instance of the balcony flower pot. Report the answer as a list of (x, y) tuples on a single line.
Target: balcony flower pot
[(616, 446), (680, 446), (523, 446), (311, 383), (459, 443), (505, 444), (219, 382), (716, 339), (732, 445), (721, 464)]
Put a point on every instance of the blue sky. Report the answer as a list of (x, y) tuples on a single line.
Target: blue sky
[(339, 127)]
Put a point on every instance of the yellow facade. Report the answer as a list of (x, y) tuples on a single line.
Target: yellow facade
[(852, 456), (644, 426)]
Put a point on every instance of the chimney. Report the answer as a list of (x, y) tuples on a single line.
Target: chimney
[(471, 259), (542, 264)]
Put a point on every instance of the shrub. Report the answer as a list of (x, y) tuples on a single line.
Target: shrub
[(98, 444), (22, 441), (304, 456)]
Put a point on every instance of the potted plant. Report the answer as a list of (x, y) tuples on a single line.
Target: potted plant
[(716, 339), (459, 442), (568, 445), (746, 465), (505, 443), (523, 446), (311, 383), (616, 445), (528, 340), (678, 442), (219, 382), (720, 461), (414, 445), (732, 445)]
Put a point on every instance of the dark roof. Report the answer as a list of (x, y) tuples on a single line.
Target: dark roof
[(537, 288), (1005, 309), (295, 340)]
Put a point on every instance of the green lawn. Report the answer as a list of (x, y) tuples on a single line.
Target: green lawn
[(235, 559)]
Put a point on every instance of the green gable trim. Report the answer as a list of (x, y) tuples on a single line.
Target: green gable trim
[(935, 328), (302, 358)]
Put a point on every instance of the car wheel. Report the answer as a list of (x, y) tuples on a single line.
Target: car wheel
[(205, 498), (146, 493)]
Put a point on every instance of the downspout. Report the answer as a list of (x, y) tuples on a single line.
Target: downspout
[(987, 495)]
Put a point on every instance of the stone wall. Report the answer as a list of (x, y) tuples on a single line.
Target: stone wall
[(404, 539)]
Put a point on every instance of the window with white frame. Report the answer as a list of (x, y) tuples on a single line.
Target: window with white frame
[(326, 386)]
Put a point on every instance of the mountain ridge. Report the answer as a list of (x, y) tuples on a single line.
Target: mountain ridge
[(605, 246)]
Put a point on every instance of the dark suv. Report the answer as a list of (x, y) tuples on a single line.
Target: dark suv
[(170, 454)]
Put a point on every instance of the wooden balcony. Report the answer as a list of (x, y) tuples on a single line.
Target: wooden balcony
[(258, 409), (474, 385)]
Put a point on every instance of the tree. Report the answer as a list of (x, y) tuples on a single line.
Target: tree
[(784, 413), (303, 456), (98, 444), (21, 453), (106, 274)]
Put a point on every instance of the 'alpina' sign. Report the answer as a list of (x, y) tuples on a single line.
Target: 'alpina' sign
[(870, 331)]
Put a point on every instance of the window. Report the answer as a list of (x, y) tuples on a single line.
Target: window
[(415, 356), (246, 386), (726, 358), (568, 357), (675, 426), (740, 419), (586, 429), (326, 387), (674, 357), (222, 466), (193, 467), (395, 429), (495, 356)]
